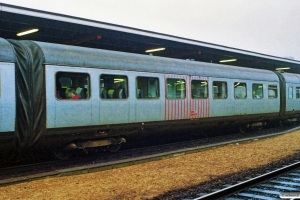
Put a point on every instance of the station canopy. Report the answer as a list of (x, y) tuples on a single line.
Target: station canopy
[(70, 30)]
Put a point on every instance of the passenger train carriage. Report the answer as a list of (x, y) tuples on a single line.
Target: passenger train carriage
[(66, 97)]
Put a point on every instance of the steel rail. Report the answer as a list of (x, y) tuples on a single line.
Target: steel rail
[(251, 182)]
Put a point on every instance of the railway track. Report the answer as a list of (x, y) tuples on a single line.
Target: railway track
[(277, 184), (98, 162)]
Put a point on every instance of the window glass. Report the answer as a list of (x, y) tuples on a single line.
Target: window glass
[(199, 89), (147, 88), (290, 93), (175, 88), (113, 86), (72, 86), (240, 90), (272, 91), (257, 91), (297, 92), (219, 90)]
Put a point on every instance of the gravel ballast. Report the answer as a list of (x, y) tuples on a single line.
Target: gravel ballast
[(182, 176)]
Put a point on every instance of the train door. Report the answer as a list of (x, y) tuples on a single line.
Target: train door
[(199, 102), (220, 100), (293, 96), (259, 98), (176, 105), (68, 93), (241, 98), (114, 94), (147, 98)]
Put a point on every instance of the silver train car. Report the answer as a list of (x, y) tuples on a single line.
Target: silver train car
[(66, 97)]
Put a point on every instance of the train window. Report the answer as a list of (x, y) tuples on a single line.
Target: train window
[(272, 91), (175, 88), (240, 90), (113, 86), (297, 92), (257, 91), (219, 90), (71, 85), (290, 92), (199, 89), (147, 88)]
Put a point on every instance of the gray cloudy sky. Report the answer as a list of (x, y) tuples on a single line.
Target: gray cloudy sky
[(264, 26)]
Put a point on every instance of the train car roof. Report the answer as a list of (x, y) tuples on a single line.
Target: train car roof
[(6, 53), (56, 54), (291, 78)]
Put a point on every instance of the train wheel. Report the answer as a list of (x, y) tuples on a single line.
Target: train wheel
[(242, 129), (114, 148), (260, 128), (281, 123), (62, 153)]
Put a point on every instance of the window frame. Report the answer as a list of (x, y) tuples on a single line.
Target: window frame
[(219, 93), (185, 87), (207, 89), (297, 92), (87, 87), (257, 96), (270, 85), (235, 84), (291, 95), (137, 91), (111, 92)]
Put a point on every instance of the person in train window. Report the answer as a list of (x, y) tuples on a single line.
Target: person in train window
[(80, 90), (120, 94), (71, 94)]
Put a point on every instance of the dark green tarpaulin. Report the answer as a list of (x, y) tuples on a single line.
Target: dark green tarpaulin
[(30, 93)]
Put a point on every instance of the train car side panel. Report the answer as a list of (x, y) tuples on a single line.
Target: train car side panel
[(147, 96), (292, 93), (273, 97), (63, 111), (7, 97), (115, 101), (199, 97), (218, 96)]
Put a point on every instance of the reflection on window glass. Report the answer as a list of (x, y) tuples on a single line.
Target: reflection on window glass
[(113, 86), (290, 92), (219, 90), (257, 91), (147, 88), (175, 88), (272, 91), (199, 89), (72, 85), (297, 92), (240, 90)]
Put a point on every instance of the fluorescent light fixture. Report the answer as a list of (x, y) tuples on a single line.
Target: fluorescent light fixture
[(230, 60), (153, 50), (282, 68), (28, 32)]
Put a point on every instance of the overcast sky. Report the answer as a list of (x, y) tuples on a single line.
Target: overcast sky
[(265, 26)]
